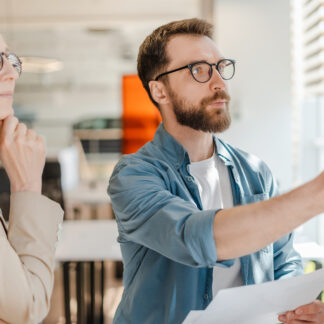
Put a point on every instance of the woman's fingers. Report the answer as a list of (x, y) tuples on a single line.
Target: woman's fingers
[(8, 127), (22, 153), (21, 130)]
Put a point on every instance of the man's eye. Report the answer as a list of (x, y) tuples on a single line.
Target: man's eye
[(197, 70)]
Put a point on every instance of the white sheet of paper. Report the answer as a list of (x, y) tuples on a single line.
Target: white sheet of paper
[(261, 303), (193, 317)]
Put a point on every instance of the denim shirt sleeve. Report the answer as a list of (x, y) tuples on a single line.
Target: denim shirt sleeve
[(286, 260), (150, 215)]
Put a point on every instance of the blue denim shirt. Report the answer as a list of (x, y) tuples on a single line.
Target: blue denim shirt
[(166, 237)]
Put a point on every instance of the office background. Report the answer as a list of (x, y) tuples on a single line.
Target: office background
[(90, 45)]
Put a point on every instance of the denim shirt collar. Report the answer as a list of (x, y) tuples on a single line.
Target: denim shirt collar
[(223, 152), (178, 155)]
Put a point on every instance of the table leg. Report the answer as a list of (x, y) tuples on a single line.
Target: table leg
[(80, 292), (102, 319), (92, 292), (66, 283)]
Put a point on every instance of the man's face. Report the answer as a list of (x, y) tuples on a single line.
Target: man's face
[(201, 106), (8, 76)]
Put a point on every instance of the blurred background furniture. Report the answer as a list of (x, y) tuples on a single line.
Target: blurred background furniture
[(140, 117), (51, 186), (4, 193), (83, 248)]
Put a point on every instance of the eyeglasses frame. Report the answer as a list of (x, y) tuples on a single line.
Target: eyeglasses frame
[(191, 65)]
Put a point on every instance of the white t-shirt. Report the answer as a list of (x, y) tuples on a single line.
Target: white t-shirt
[(215, 190)]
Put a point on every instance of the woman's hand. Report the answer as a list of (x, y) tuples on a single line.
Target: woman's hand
[(22, 154)]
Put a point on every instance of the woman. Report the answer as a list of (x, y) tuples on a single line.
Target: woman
[(27, 247)]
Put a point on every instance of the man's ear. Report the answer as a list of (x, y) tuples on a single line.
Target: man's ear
[(158, 92)]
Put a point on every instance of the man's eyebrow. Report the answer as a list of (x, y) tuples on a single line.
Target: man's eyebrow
[(205, 61), (197, 61)]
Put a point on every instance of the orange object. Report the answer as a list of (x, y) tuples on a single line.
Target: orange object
[(140, 117)]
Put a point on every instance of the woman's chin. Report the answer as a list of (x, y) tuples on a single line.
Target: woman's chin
[(5, 111)]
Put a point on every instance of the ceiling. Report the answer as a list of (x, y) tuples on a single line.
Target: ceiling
[(97, 13)]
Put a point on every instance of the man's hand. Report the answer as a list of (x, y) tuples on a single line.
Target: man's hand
[(310, 313), (22, 154)]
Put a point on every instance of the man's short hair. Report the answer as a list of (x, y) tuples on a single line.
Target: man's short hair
[(152, 57)]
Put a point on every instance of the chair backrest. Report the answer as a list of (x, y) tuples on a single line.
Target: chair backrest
[(52, 186), (4, 193)]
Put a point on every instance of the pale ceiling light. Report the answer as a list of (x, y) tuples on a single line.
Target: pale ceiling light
[(40, 64)]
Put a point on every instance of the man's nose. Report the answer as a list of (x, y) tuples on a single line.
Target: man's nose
[(216, 81)]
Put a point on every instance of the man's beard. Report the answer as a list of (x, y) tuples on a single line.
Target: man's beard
[(213, 120)]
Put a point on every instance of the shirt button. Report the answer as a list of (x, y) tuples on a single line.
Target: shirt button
[(206, 296), (190, 179)]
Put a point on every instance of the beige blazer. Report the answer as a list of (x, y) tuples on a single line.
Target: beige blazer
[(27, 258)]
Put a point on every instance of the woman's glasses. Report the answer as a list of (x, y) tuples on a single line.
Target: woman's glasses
[(13, 60)]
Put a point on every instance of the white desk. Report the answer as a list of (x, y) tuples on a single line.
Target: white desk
[(86, 194), (83, 242), (89, 240), (85, 201)]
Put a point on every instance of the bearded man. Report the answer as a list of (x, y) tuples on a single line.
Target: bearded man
[(196, 215)]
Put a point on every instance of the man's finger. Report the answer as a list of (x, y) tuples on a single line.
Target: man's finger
[(311, 308), (296, 321), (286, 316), (307, 317), (282, 318)]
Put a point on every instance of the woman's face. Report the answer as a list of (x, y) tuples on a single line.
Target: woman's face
[(8, 77)]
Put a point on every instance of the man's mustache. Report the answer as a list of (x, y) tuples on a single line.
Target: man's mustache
[(219, 95)]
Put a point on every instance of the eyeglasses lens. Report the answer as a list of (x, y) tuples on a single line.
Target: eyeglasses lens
[(226, 69), (202, 71), (13, 60)]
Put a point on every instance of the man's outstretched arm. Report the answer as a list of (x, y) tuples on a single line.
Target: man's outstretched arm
[(245, 229)]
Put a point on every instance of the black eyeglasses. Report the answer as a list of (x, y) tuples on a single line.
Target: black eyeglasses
[(203, 71), (13, 60)]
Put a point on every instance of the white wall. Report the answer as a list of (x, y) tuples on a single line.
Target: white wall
[(256, 33)]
